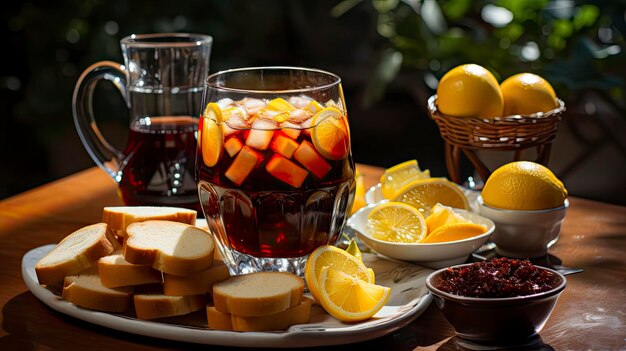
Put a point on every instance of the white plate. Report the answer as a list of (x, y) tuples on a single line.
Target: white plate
[(409, 298), (375, 194), (431, 255)]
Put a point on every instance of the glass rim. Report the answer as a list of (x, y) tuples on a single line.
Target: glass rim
[(335, 77), (157, 40)]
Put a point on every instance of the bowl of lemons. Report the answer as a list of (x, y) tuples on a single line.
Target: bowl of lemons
[(528, 204), (397, 230)]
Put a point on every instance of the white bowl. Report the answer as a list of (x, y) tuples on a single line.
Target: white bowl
[(375, 194), (431, 255), (524, 233)]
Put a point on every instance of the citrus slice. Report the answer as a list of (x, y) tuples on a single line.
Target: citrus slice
[(212, 141), (423, 194), (350, 299), (214, 112), (280, 104), (330, 134), (399, 175), (456, 231), (353, 249), (441, 215), (332, 256), (396, 222)]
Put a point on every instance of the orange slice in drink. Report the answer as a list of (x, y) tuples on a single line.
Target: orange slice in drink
[(330, 134), (280, 104), (212, 142), (214, 112)]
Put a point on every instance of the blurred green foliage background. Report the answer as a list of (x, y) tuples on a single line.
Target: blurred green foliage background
[(389, 53)]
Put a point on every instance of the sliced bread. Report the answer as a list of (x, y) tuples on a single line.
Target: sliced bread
[(299, 314), (76, 252), (170, 247), (119, 217), (115, 271), (151, 306), (85, 290), (198, 283), (258, 294)]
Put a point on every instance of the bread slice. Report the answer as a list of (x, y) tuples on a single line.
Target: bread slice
[(258, 294), (151, 306), (299, 314), (170, 247), (115, 271), (199, 283), (119, 217), (76, 252), (85, 290)]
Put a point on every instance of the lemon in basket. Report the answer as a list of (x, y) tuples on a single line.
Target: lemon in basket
[(470, 90), (527, 93)]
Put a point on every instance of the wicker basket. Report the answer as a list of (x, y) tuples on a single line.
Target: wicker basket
[(510, 133)]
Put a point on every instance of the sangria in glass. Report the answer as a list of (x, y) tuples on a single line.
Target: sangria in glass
[(275, 174)]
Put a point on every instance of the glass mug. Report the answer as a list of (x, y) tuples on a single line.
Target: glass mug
[(276, 178), (162, 80)]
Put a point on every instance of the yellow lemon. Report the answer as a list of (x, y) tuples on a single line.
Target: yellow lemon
[(423, 194), (396, 222), (350, 299), (399, 175), (332, 256), (469, 91), (452, 232), (527, 93), (523, 185)]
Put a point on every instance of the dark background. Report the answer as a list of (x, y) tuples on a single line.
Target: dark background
[(48, 44)]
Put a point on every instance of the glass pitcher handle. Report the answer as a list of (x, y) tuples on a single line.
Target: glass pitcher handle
[(101, 151)]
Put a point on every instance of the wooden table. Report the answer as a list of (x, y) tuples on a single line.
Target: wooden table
[(590, 315)]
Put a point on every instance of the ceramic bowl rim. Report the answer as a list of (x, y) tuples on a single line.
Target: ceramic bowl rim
[(490, 230), (494, 300), (565, 205)]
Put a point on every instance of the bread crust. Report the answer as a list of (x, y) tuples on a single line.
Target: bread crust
[(258, 294), (151, 306), (100, 242), (115, 272), (84, 290), (119, 217), (198, 283), (145, 247), (299, 314)]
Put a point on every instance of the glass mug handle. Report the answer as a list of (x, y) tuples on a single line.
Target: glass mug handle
[(101, 151)]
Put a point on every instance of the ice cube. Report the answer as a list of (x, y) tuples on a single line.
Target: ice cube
[(224, 103), (311, 160), (298, 116), (300, 101), (252, 106)]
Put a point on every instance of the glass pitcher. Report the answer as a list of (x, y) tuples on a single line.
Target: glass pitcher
[(161, 81)]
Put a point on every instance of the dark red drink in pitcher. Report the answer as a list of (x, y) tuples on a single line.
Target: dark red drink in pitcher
[(159, 163)]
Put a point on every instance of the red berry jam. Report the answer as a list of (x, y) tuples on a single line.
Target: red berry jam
[(498, 277)]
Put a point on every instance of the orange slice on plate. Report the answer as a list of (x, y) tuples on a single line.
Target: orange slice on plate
[(212, 141), (396, 222), (332, 256), (350, 299), (330, 134)]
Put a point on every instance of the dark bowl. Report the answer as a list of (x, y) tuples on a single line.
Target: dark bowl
[(503, 321)]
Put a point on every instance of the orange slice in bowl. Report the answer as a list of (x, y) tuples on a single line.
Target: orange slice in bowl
[(212, 139), (424, 194), (330, 134), (453, 232)]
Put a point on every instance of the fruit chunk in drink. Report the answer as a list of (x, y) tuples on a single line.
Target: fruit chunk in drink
[(275, 177)]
